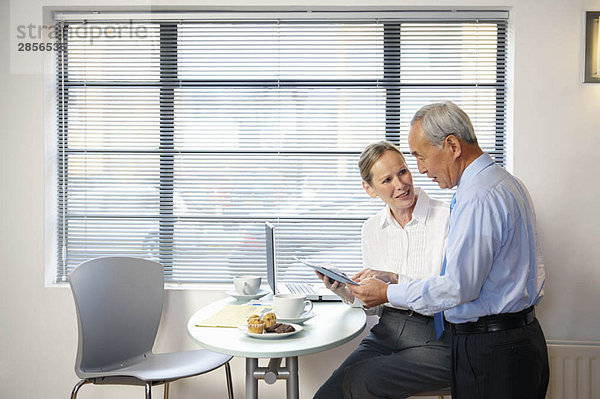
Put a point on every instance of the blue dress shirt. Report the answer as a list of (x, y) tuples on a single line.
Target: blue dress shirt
[(493, 259)]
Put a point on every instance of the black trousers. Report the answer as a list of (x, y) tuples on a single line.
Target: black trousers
[(400, 357), (509, 364)]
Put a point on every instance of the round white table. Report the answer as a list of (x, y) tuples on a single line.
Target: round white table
[(334, 324)]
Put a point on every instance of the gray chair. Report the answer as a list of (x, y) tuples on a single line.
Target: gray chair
[(119, 305)]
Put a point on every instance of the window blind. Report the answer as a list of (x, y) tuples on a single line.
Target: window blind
[(178, 138)]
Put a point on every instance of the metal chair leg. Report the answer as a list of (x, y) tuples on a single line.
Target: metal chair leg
[(78, 386), (166, 391), (148, 387), (229, 382)]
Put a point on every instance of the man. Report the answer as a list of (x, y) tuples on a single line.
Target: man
[(493, 274)]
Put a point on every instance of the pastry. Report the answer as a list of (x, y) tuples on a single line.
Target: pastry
[(280, 328), (254, 319), (270, 319), (256, 327), (284, 328), (272, 328)]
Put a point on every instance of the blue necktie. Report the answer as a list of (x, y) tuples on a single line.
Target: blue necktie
[(438, 318)]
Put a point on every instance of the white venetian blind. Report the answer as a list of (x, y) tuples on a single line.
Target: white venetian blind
[(178, 137)]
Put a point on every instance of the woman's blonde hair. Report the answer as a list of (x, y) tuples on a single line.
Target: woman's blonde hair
[(371, 154)]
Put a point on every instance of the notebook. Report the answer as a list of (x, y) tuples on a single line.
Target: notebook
[(313, 291)]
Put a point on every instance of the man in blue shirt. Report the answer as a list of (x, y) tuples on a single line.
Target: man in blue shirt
[(493, 274)]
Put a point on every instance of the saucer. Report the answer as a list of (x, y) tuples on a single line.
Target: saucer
[(242, 297), (303, 317)]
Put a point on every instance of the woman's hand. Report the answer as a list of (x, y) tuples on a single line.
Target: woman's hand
[(337, 288), (387, 277)]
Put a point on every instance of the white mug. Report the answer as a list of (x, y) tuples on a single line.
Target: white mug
[(246, 285), (291, 306)]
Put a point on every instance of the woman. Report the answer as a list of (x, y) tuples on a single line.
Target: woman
[(400, 356)]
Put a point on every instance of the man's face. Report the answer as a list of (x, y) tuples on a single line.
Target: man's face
[(436, 162)]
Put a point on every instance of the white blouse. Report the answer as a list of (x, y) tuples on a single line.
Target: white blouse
[(415, 251)]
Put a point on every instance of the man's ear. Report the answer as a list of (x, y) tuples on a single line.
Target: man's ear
[(369, 189), (454, 145)]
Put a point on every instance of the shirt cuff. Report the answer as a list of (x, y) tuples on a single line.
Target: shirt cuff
[(396, 294)]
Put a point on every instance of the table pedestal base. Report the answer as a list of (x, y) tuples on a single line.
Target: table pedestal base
[(272, 373)]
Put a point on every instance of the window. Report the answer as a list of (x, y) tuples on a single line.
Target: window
[(178, 136)]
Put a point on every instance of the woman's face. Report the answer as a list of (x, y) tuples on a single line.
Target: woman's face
[(391, 181)]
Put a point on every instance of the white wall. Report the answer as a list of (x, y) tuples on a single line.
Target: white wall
[(556, 137)]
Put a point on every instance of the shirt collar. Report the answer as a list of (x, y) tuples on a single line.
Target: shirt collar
[(419, 213), (479, 164), (422, 208)]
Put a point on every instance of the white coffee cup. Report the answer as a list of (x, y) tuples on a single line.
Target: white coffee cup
[(291, 306), (246, 285)]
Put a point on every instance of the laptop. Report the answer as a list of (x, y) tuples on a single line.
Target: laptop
[(313, 291)]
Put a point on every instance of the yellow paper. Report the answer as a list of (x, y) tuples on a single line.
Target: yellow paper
[(233, 316)]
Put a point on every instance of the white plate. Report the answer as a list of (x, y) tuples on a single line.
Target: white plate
[(242, 297), (303, 317), (297, 327)]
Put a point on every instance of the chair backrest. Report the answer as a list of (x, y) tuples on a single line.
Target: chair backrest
[(119, 304)]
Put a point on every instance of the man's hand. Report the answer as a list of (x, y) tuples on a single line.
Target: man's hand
[(364, 274), (337, 288), (371, 291)]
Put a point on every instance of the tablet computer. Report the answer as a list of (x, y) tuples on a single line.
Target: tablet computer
[(327, 271)]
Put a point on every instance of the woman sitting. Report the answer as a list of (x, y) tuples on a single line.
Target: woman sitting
[(401, 355)]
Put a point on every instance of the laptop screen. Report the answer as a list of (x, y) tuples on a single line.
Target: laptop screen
[(321, 294), (270, 247)]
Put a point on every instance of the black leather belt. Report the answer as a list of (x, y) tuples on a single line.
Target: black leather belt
[(500, 322), (406, 312)]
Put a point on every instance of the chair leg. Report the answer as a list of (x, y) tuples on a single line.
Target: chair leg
[(148, 387), (78, 386), (166, 391), (229, 382)]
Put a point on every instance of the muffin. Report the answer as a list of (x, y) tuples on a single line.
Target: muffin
[(254, 319), (257, 327), (270, 319)]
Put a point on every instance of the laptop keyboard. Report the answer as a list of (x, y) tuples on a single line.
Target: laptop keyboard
[(301, 288)]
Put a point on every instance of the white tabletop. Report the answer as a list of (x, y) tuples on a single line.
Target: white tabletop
[(334, 324)]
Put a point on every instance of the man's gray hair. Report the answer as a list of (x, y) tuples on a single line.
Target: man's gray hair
[(442, 119)]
